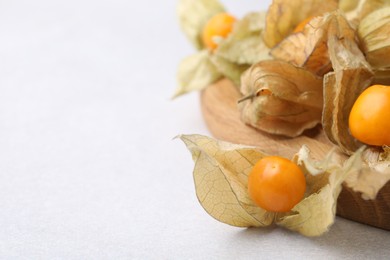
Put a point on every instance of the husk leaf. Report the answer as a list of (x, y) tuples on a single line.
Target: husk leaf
[(242, 48), (284, 15), (308, 49), (369, 6), (245, 45), (283, 99), (229, 69), (221, 175), (382, 76), (315, 214), (352, 74), (195, 73), (374, 32), (193, 15), (374, 173), (348, 5)]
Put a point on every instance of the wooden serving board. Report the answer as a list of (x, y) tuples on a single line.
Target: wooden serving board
[(219, 108)]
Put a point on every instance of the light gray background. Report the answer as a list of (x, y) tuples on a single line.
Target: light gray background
[(88, 167)]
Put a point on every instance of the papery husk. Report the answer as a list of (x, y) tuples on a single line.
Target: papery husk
[(284, 15), (352, 9), (369, 6), (352, 74), (221, 182), (310, 48), (315, 214), (357, 10), (193, 15), (244, 45), (348, 5), (374, 33), (382, 77), (242, 48), (280, 98), (228, 69), (307, 49), (195, 73), (373, 174)]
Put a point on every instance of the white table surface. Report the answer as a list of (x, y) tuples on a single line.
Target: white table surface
[(88, 167)]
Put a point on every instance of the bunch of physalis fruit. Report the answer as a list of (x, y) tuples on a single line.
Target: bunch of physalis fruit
[(299, 64)]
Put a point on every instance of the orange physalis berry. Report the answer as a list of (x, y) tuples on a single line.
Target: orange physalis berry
[(369, 119), (276, 184), (302, 24), (219, 25)]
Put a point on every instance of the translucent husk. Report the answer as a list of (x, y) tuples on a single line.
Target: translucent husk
[(307, 49), (357, 10), (310, 48), (374, 33), (245, 45), (369, 6), (193, 15), (373, 173), (280, 98), (284, 15), (195, 73), (221, 178), (242, 48), (352, 74), (382, 77), (348, 5)]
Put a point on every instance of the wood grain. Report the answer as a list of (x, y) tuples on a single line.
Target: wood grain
[(219, 108)]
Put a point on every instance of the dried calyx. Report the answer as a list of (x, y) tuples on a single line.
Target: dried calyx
[(352, 74), (283, 16), (374, 31), (280, 98), (234, 53), (221, 180), (242, 48), (328, 47)]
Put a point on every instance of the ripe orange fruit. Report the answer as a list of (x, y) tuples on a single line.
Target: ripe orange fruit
[(276, 184), (369, 119), (302, 24), (219, 25)]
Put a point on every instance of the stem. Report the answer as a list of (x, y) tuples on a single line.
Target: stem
[(246, 98)]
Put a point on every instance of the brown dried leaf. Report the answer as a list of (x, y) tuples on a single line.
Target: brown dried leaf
[(281, 98), (284, 15), (352, 74)]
